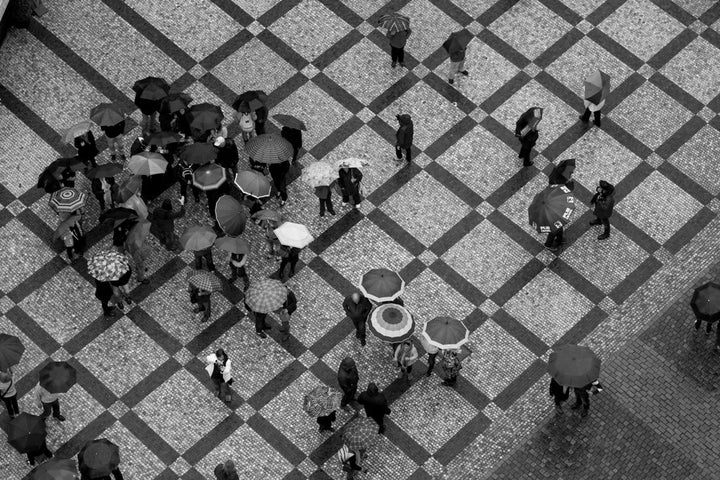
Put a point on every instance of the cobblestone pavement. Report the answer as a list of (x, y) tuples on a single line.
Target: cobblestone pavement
[(141, 381)]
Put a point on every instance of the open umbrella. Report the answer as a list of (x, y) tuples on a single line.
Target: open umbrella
[(382, 285), (205, 116), (55, 469), (151, 88), (76, 130), (198, 153), (233, 245), (574, 366), (67, 200), (394, 22), (11, 350), (319, 174), (265, 296), (209, 177), (360, 434), (446, 333), (197, 238), (65, 226), (147, 163), (107, 114), (119, 214), (321, 400), (597, 87), (231, 215), (562, 173), (108, 265), (244, 99), (163, 139), (57, 377), (293, 235), (253, 183), (105, 170), (206, 281), (269, 148), (130, 187), (175, 102), (706, 302), (27, 432), (551, 209), (457, 41), (528, 121), (290, 121), (358, 163), (391, 323), (98, 458), (267, 215)]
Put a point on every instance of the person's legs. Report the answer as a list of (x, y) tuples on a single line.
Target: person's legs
[(330, 207), (398, 153), (585, 117), (293, 262), (393, 56), (198, 260), (452, 71), (356, 199), (12, 406), (322, 206), (550, 240), (204, 306), (525, 155), (242, 273), (101, 201), (461, 67), (401, 56), (217, 382), (47, 409), (259, 325), (606, 228), (209, 260), (56, 410), (107, 309), (597, 118)]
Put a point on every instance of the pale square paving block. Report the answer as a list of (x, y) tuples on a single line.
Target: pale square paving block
[(477, 258), (122, 368), (416, 210), (427, 257), (364, 8), (118, 409), (365, 115), (254, 66), (22, 52), (431, 113), (694, 68), (430, 28), (310, 28), (138, 461), (659, 207), (113, 50), (307, 467), (695, 7), (605, 263), (428, 296), (548, 306), (497, 359), (257, 7), (374, 361), (432, 417), (190, 417), (32, 356), (694, 158), (650, 115), (180, 466), (530, 27), (482, 161), (585, 7), (15, 207), (493, 412), (198, 31), (258, 459), (488, 307), (307, 358)]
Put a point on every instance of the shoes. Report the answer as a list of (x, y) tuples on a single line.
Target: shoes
[(291, 274), (261, 334), (322, 214), (582, 119), (228, 398), (697, 325), (603, 236), (113, 157), (204, 320), (60, 418), (393, 65), (331, 212), (596, 222), (362, 342), (529, 164), (552, 248), (451, 81), (282, 203), (267, 327), (597, 124), (465, 72), (109, 314)]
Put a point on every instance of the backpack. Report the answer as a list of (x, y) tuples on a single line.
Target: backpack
[(246, 122)]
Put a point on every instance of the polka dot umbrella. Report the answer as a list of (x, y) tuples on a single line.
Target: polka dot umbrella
[(67, 200), (391, 323)]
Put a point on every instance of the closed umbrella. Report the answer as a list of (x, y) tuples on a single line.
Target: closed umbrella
[(105, 170), (445, 333), (206, 281), (67, 200), (321, 401), (98, 458), (108, 265), (391, 323), (76, 130), (706, 302), (394, 22), (130, 187), (551, 209), (198, 153), (11, 350), (197, 238), (265, 296), (360, 434), (163, 139), (27, 432), (269, 148), (209, 177), (231, 215), (574, 366), (55, 469), (253, 183), (107, 115), (382, 285), (233, 245), (319, 174), (147, 163), (290, 121), (293, 235), (57, 377)]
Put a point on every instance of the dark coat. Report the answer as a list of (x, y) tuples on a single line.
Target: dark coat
[(358, 310), (404, 135), (375, 405), (604, 202), (399, 39), (558, 391), (113, 131), (96, 186), (86, 147), (322, 192), (103, 290), (530, 139), (221, 475), (290, 303), (292, 135), (163, 220), (228, 155), (347, 185), (279, 170), (348, 376)]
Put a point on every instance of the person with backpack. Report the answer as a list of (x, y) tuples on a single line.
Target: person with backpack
[(219, 367), (246, 120), (184, 173)]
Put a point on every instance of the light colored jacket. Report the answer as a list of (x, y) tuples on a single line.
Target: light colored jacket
[(410, 358), (226, 372), (43, 396), (7, 387), (430, 349)]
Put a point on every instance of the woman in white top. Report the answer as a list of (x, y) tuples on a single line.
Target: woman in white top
[(220, 370)]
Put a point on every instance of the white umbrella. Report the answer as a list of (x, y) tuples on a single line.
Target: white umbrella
[(358, 163), (293, 235)]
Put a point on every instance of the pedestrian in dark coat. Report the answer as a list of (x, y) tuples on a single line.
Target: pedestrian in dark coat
[(582, 399), (202, 299), (404, 137), (456, 50), (226, 471), (163, 225), (74, 240), (87, 148), (376, 405), (292, 257), (114, 475), (527, 142), (115, 134), (104, 293), (288, 308), (561, 174), (324, 193), (105, 190), (8, 392), (237, 269), (294, 136), (357, 308), (526, 131), (228, 156), (42, 450), (262, 115), (604, 201), (559, 394), (397, 46), (348, 378), (259, 319), (349, 183), (205, 253), (278, 172)]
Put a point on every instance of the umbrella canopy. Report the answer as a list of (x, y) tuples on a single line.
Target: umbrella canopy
[(205, 116), (266, 295), (233, 245), (706, 302), (290, 121), (175, 102), (206, 281), (151, 88), (446, 333), (394, 22), (163, 139), (574, 366), (551, 209), (382, 285), (119, 214), (319, 174), (231, 215), (198, 153), (293, 235), (65, 225), (457, 40), (108, 265), (76, 130), (98, 458), (130, 187), (269, 148), (57, 377), (391, 323), (56, 167), (138, 233), (55, 469), (107, 115), (243, 100), (147, 163), (597, 87), (209, 177), (562, 172), (321, 400), (360, 434), (67, 200), (197, 238), (267, 215), (358, 163), (11, 350), (105, 170), (27, 432), (253, 183)]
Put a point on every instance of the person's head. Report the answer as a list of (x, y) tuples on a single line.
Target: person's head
[(406, 345), (229, 466), (356, 297), (372, 389), (220, 354), (5, 376)]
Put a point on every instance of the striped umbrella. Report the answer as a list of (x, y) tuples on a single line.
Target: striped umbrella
[(55, 469), (231, 215), (209, 177), (206, 281), (382, 285), (551, 209), (197, 238), (574, 366), (321, 400), (266, 295), (108, 265), (360, 434), (198, 153), (11, 350), (446, 333), (233, 245), (107, 115), (394, 22), (253, 183), (147, 163), (67, 200), (269, 148), (57, 377), (75, 131), (392, 323)]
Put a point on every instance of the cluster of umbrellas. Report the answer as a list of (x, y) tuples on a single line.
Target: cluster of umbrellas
[(98, 458)]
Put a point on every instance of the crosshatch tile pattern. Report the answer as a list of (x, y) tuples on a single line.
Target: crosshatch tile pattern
[(453, 223)]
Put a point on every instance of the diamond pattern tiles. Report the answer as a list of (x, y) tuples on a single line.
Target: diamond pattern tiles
[(453, 223)]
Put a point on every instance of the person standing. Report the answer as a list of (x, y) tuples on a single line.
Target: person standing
[(184, 173), (115, 474), (219, 367), (74, 240), (104, 293), (292, 257), (527, 142), (348, 378), (8, 392), (39, 452), (324, 193), (405, 356), (261, 113), (594, 109), (288, 308), (349, 182), (134, 245), (115, 134), (205, 253), (357, 308), (246, 121), (105, 190), (404, 138), (294, 136), (451, 366), (226, 471), (376, 405), (351, 461), (49, 402), (259, 319), (604, 201), (456, 50), (397, 46), (559, 394), (163, 225), (200, 297), (87, 149), (278, 172), (582, 399), (237, 269), (432, 352)]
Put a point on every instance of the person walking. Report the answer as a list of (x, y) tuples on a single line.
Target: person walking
[(226, 471), (49, 402), (184, 174), (288, 308), (135, 246), (74, 240), (348, 378), (271, 239), (594, 109), (559, 394), (219, 367), (278, 172), (527, 142), (405, 356), (259, 320), (349, 182), (432, 352), (8, 392), (324, 194), (397, 46), (351, 461), (404, 138), (87, 149), (294, 136), (115, 134), (357, 307), (105, 190), (456, 50), (121, 290), (163, 225), (237, 269), (604, 201), (582, 399), (289, 256), (376, 405), (200, 297), (451, 366), (104, 293), (206, 254)]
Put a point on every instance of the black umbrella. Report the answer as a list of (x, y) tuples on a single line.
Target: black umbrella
[(105, 170), (198, 153), (57, 377), (175, 102), (27, 432), (457, 41), (706, 302), (99, 458), (119, 214), (561, 174), (245, 98)]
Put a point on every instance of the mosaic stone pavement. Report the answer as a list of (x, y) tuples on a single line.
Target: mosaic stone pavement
[(141, 379)]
